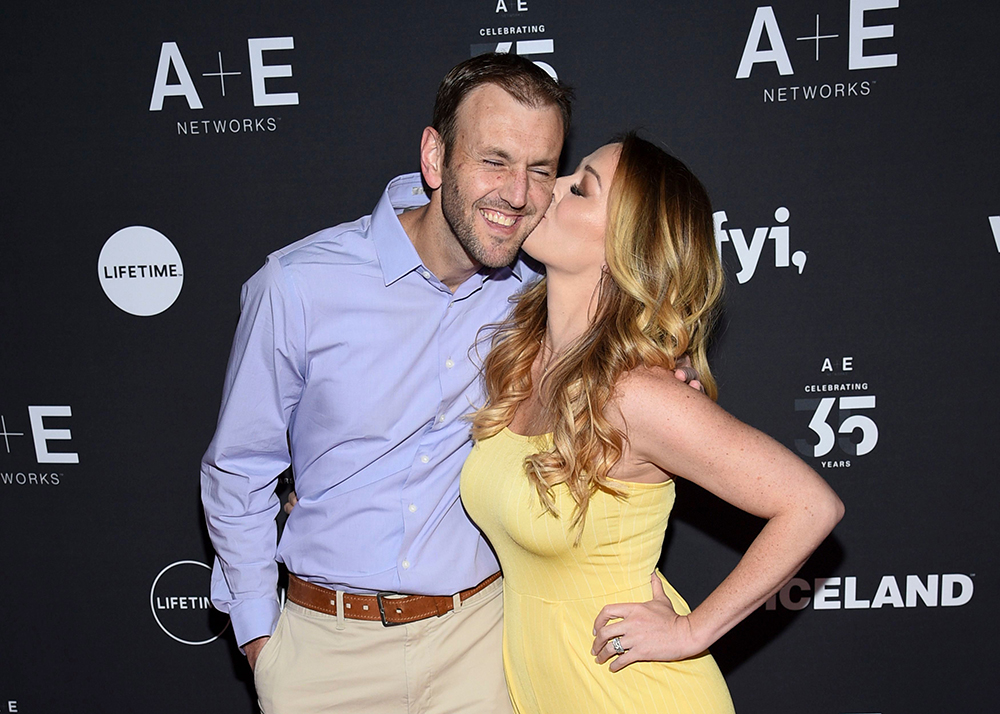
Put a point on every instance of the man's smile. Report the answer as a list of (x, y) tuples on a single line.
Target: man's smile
[(497, 218)]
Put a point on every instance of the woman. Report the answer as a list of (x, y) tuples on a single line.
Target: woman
[(585, 431)]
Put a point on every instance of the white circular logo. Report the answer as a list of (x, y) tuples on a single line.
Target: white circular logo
[(181, 605), (141, 271)]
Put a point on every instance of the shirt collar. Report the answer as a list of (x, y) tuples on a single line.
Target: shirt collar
[(396, 253)]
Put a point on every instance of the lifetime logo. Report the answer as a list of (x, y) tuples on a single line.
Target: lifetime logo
[(183, 602), (140, 271), (181, 606), (946, 590), (41, 435), (749, 253), (171, 57), (765, 24), (112, 272)]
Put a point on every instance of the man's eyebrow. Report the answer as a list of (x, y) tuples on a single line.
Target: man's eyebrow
[(498, 152), (590, 169), (506, 156), (547, 164)]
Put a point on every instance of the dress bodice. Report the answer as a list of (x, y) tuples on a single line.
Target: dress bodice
[(622, 535)]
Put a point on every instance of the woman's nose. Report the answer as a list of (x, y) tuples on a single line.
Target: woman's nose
[(562, 186)]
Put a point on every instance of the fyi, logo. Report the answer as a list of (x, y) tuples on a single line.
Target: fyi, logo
[(259, 72), (749, 252)]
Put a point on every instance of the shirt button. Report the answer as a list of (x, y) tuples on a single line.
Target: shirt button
[(405, 564), (413, 508), (424, 459), (427, 275), (440, 418), (449, 363)]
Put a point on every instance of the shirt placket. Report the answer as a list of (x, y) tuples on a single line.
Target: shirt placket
[(416, 509)]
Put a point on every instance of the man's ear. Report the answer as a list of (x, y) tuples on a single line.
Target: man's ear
[(431, 157)]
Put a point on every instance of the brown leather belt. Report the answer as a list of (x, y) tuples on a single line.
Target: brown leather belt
[(387, 607)]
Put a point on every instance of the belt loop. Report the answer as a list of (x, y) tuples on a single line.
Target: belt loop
[(340, 610), (456, 601)]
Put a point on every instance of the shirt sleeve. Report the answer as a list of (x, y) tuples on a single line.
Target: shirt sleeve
[(264, 381)]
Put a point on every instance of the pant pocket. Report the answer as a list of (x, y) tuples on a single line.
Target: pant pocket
[(263, 675)]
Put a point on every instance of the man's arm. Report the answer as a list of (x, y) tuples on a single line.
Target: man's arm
[(249, 451)]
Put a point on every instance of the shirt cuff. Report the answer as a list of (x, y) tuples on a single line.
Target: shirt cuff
[(254, 618)]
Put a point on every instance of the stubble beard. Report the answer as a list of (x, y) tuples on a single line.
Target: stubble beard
[(460, 215)]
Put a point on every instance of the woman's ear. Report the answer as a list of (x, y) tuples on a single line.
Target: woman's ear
[(431, 157)]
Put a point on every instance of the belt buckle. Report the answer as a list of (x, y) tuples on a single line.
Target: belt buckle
[(381, 610)]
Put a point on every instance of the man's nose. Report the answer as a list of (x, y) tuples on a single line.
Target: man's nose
[(515, 189)]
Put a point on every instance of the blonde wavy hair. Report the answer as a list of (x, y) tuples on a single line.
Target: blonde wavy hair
[(658, 300)]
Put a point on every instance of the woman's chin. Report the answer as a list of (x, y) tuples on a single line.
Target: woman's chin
[(533, 249)]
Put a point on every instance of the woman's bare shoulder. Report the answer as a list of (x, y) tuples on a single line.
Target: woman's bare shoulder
[(640, 388), (658, 411)]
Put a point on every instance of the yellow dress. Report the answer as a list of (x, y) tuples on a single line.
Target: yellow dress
[(554, 590)]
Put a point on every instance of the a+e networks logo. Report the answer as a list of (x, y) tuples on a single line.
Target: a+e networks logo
[(867, 36), (174, 79), (47, 426), (508, 24)]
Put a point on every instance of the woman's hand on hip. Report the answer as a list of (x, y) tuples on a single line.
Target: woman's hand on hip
[(647, 632)]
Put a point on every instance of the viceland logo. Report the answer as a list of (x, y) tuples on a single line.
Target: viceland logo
[(910, 591)]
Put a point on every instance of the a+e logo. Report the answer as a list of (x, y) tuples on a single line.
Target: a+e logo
[(170, 56), (518, 5), (764, 31), (42, 435)]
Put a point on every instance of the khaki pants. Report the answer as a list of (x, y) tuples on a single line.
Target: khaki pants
[(440, 665)]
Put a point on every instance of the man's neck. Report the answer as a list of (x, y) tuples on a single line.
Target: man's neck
[(435, 243)]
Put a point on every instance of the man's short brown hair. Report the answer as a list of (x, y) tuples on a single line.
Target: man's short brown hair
[(521, 78)]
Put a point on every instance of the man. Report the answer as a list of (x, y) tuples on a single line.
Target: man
[(355, 347)]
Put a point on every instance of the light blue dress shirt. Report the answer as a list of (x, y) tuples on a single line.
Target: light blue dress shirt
[(348, 344)]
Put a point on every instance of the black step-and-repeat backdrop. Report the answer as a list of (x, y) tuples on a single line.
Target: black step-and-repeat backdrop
[(154, 153)]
